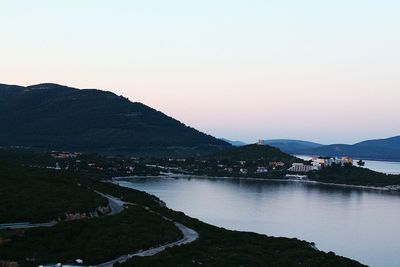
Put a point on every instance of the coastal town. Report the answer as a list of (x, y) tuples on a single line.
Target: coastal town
[(317, 163), (199, 166), (257, 161)]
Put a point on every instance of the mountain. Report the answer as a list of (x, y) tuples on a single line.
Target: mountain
[(264, 153), (51, 116), (388, 143), (234, 143), (379, 149), (292, 146)]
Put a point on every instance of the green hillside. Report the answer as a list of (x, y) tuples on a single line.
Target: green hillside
[(259, 153), (39, 195), (352, 175), (51, 116)]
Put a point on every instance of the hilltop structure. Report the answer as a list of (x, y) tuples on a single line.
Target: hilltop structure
[(261, 142)]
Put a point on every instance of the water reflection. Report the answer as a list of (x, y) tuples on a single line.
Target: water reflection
[(345, 220)]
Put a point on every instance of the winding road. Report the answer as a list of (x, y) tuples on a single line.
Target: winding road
[(117, 206), (189, 235), (26, 225)]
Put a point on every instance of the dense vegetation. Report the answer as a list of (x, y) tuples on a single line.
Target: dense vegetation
[(104, 238), (24, 157), (260, 153), (352, 175), (93, 240), (40, 195), (51, 116), (220, 247)]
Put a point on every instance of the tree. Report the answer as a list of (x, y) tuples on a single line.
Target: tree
[(360, 163)]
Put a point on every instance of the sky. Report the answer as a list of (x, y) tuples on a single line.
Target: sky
[(325, 71)]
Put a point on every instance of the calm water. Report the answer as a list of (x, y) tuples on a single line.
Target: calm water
[(363, 225)]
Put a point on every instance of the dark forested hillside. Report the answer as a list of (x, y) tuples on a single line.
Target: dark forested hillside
[(259, 153), (51, 116)]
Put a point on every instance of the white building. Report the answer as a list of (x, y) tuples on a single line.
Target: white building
[(320, 162), (300, 167), (261, 170), (261, 142)]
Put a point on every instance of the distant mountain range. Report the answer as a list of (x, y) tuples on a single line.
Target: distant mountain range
[(380, 149), (52, 116), (234, 143), (55, 117), (292, 146)]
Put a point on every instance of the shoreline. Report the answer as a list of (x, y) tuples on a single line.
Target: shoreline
[(396, 160), (389, 188)]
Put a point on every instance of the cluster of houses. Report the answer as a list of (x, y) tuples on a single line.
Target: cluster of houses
[(321, 162), (272, 166), (317, 163), (63, 155), (260, 169), (301, 167)]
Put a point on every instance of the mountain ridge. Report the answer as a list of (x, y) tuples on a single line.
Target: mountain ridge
[(374, 149), (255, 152), (53, 116), (234, 143)]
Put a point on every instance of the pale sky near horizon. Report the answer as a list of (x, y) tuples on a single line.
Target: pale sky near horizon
[(325, 71)]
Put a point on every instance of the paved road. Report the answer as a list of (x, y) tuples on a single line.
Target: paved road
[(26, 225), (115, 204), (189, 236)]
